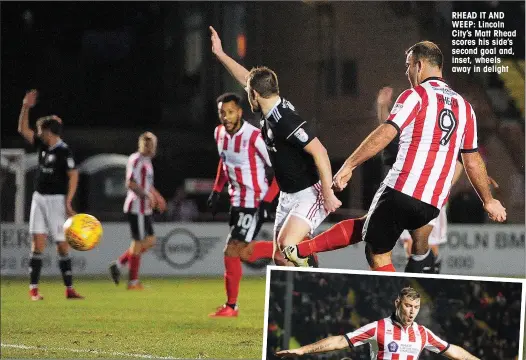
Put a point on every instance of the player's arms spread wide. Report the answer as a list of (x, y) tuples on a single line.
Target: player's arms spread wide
[(328, 344), (457, 353), (237, 70), (316, 149)]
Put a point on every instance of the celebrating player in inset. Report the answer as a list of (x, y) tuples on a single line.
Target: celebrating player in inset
[(434, 123), (299, 160), (55, 186), (242, 161), (394, 337), (141, 200)]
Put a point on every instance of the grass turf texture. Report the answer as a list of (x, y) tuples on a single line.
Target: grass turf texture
[(169, 318)]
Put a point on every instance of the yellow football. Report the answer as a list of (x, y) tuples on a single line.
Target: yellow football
[(83, 231)]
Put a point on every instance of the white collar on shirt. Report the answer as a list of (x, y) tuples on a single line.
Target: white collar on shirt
[(57, 144)]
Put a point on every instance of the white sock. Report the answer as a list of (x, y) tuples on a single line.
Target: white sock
[(33, 286), (420, 257)]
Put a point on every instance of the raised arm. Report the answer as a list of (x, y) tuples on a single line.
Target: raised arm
[(328, 344), (383, 101), (457, 353), (237, 70), (23, 120)]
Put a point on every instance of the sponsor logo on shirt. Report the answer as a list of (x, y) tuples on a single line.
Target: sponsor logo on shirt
[(392, 346)]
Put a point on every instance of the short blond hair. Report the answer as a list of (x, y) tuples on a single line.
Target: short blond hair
[(408, 292), (146, 136)]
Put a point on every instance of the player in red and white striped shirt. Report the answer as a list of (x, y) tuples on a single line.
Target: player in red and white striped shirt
[(397, 337), (243, 157), (434, 123), (141, 199)]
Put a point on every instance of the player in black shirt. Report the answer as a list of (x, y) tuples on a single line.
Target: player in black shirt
[(55, 186), (301, 165)]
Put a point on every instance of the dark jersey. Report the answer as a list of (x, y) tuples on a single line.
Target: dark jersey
[(53, 166), (286, 134)]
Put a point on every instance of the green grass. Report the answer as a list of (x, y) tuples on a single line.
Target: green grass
[(167, 319)]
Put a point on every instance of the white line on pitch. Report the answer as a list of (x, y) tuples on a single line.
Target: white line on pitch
[(99, 352)]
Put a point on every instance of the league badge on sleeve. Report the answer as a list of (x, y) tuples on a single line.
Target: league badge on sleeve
[(301, 135), (397, 108)]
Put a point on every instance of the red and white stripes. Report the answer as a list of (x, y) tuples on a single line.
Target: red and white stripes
[(435, 123)]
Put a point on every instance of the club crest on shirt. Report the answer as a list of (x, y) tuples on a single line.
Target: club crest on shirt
[(397, 108), (392, 346), (49, 159), (245, 143), (301, 135)]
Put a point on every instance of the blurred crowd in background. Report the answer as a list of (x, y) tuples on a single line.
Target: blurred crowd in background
[(482, 317)]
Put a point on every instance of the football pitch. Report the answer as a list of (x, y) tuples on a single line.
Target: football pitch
[(168, 319)]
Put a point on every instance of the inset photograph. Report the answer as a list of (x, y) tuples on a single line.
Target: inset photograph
[(319, 314)]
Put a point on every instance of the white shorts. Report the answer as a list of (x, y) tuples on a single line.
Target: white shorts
[(306, 204), (48, 214), (438, 234)]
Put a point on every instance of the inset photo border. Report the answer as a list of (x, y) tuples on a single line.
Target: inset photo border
[(332, 314)]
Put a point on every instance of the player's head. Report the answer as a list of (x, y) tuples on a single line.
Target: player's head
[(148, 144), (48, 128), (424, 59), (230, 111), (261, 83), (407, 305)]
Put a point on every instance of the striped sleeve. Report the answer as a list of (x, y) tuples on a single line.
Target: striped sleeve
[(434, 343), (221, 177), (133, 169), (216, 132), (405, 109), (469, 140), (363, 335)]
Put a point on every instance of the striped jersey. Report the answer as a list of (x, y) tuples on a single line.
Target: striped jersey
[(389, 340), (243, 157), (434, 123), (140, 170)]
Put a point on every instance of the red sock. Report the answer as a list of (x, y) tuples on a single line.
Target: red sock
[(135, 262), (388, 268), (342, 234), (261, 250), (123, 259), (233, 273)]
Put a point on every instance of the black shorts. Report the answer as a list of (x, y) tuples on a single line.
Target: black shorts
[(140, 226), (244, 223), (390, 214)]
